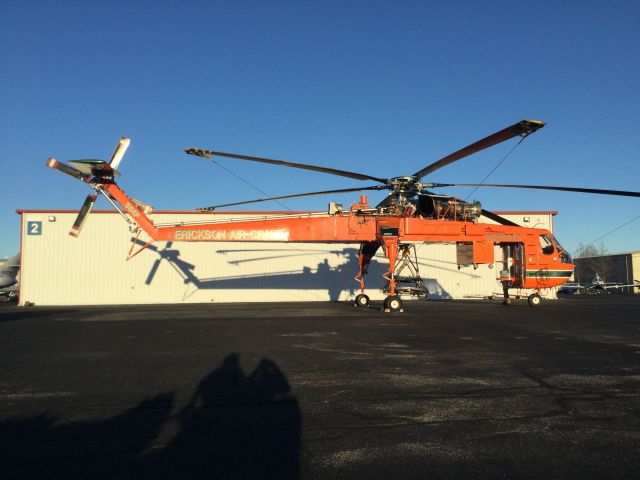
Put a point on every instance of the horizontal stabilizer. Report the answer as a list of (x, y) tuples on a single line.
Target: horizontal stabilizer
[(142, 206), (96, 168)]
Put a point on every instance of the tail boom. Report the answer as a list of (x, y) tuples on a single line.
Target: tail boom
[(132, 209)]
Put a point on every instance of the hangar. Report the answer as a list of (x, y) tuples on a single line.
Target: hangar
[(93, 269), (622, 268)]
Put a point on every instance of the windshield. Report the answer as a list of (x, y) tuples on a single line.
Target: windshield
[(564, 255), (546, 244)]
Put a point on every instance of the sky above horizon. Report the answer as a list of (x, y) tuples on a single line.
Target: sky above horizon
[(382, 88)]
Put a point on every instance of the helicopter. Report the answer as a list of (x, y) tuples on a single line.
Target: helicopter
[(412, 213)]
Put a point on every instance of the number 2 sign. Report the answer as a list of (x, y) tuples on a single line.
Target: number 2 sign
[(34, 228)]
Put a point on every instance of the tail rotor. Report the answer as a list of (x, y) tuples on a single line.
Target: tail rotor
[(93, 172)]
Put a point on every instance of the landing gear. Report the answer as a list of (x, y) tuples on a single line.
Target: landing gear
[(534, 299), (410, 283), (393, 303), (362, 300), (400, 259)]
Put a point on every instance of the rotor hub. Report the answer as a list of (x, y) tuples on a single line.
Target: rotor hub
[(406, 185), (403, 189)]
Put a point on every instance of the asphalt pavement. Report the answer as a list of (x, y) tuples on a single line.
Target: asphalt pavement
[(459, 389)]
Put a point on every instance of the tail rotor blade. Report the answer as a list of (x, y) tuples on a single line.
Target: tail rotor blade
[(69, 170), (121, 148), (87, 206)]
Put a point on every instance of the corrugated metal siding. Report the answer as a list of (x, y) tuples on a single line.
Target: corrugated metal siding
[(91, 270)]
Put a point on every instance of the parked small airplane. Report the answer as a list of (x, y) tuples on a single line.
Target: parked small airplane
[(597, 285), (9, 277)]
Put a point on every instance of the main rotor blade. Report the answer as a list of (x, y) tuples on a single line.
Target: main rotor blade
[(497, 218), (523, 128), (344, 190), (343, 173), (599, 191)]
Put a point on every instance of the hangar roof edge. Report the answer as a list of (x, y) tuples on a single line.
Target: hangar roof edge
[(526, 212), (615, 254), (20, 211)]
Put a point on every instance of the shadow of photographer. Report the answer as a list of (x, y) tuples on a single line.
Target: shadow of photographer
[(234, 426)]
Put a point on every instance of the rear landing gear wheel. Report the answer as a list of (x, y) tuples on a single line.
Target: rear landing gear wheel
[(393, 303), (534, 299), (362, 300)]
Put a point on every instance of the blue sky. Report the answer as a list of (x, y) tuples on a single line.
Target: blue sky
[(382, 88)]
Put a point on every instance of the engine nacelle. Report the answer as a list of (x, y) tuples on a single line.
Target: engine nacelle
[(448, 208)]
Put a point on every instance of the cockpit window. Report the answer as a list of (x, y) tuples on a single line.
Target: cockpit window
[(546, 244), (564, 255)]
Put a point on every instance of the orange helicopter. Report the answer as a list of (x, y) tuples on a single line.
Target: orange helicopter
[(411, 214)]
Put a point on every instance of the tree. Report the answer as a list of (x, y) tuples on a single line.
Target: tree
[(591, 259)]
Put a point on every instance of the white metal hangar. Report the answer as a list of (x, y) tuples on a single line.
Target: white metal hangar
[(93, 269)]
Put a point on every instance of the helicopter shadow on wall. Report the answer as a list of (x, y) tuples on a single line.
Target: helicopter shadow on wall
[(335, 279)]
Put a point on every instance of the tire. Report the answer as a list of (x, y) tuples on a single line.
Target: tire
[(361, 300), (393, 303), (534, 299)]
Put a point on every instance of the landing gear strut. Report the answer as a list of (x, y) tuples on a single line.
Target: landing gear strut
[(367, 251)]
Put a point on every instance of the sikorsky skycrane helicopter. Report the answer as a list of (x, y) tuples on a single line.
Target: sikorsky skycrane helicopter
[(411, 214)]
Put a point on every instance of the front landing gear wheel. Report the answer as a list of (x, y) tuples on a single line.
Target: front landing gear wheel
[(534, 299), (393, 303), (361, 300)]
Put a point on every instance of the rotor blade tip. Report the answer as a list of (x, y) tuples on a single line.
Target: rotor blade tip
[(199, 152), (535, 124)]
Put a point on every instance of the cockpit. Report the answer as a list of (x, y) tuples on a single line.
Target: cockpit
[(550, 244), (564, 255)]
